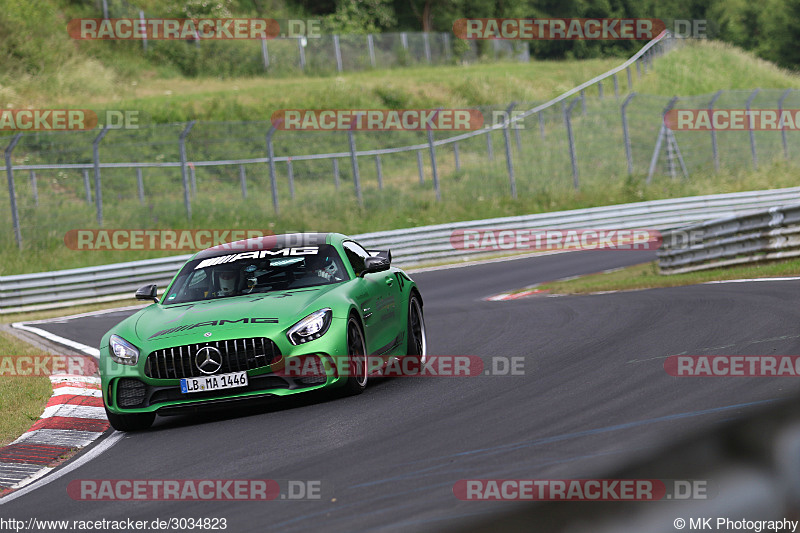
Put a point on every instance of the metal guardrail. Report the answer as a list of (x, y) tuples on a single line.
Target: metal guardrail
[(410, 246), (735, 240)]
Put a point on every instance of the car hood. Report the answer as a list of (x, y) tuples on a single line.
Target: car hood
[(227, 318)]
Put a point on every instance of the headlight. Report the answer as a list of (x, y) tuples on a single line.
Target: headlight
[(311, 327), (122, 351)]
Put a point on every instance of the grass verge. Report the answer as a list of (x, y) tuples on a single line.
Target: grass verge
[(22, 398), (646, 276)]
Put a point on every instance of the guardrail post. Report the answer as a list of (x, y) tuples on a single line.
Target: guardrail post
[(714, 150), (616, 87), (354, 162), (600, 89), (140, 185), (433, 160), (380, 171), (489, 149), (290, 174), (583, 102), (337, 50), (98, 193), (271, 154), (457, 157), (371, 48), (571, 138), (752, 136), (86, 186), (783, 128), (336, 173), (509, 162), (419, 168), (639, 68), (265, 53), (626, 134), (34, 189), (11, 192), (630, 80), (243, 181), (182, 145)]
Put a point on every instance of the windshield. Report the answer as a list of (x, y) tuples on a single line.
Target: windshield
[(255, 272)]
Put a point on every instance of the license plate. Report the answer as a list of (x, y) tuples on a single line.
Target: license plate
[(211, 383)]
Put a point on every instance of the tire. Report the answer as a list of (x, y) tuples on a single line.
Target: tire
[(132, 422), (417, 347), (357, 359)]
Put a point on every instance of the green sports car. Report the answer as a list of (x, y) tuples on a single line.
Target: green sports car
[(289, 314)]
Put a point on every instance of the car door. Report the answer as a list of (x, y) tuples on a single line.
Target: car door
[(379, 298)]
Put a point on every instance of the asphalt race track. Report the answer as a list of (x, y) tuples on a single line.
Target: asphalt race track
[(594, 396)]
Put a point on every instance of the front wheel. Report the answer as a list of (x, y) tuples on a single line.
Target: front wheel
[(357, 359), (417, 349), (131, 422)]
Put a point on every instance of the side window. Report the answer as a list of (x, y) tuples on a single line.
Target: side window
[(356, 255)]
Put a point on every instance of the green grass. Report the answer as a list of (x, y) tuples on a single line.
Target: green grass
[(22, 398), (646, 276)]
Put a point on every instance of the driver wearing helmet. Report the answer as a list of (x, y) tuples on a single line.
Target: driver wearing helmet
[(324, 267), (227, 281)]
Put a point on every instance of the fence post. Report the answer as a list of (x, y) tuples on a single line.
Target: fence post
[(571, 138), (86, 186), (419, 168), (752, 136), (489, 149), (243, 181), (182, 145), (140, 185), (271, 154), (354, 162), (34, 189), (583, 101), (98, 193), (427, 43), (143, 26), (600, 89), (336, 173), (192, 179), (630, 80), (639, 68), (11, 192), (626, 133), (265, 53), (338, 52), (783, 128), (302, 50), (105, 9), (447, 51), (509, 162), (541, 124), (404, 40), (661, 134), (371, 48), (616, 86), (714, 150), (433, 163), (380, 171), (290, 172), (456, 156)]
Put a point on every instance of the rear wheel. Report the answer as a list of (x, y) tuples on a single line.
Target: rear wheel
[(131, 422), (417, 348), (357, 359)]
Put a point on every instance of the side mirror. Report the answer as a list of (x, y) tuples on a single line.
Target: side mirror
[(148, 292), (375, 264)]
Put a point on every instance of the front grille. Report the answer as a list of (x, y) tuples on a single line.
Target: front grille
[(237, 355), (130, 392)]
